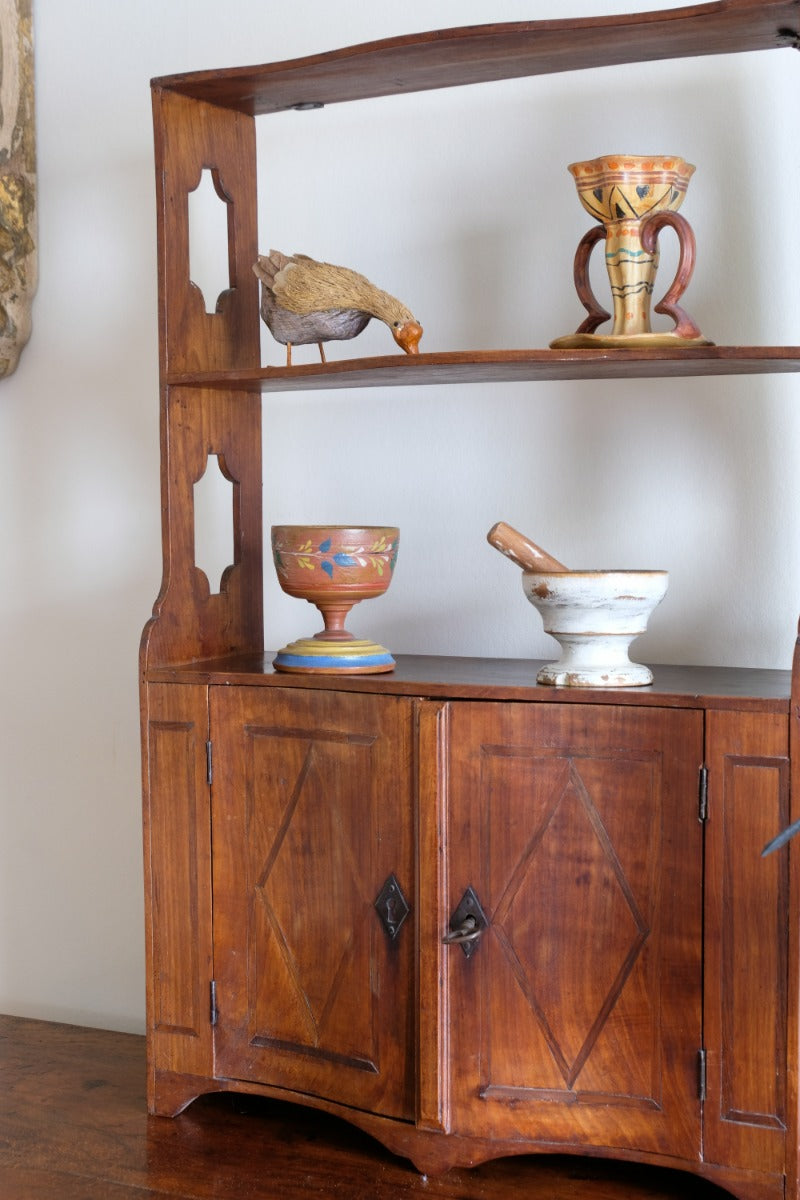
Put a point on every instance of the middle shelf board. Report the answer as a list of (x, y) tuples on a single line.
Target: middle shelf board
[(501, 366)]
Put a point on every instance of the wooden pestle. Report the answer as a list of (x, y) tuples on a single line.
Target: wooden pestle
[(522, 551)]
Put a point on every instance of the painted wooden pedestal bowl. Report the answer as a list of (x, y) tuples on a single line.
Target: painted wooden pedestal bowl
[(333, 567), (594, 616)]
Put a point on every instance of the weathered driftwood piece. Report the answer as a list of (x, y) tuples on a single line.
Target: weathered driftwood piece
[(18, 251)]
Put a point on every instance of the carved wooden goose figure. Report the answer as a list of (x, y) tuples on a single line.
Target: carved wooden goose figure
[(305, 301)]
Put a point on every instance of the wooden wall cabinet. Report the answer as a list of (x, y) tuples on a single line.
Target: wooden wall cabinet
[(472, 915)]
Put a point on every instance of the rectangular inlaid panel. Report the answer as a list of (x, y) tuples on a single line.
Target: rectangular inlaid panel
[(747, 915), (178, 869)]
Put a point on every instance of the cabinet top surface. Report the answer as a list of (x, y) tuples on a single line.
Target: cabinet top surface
[(446, 677), (484, 53)]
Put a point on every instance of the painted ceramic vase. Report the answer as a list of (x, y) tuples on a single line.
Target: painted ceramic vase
[(633, 197), (594, 616), (334, 567)]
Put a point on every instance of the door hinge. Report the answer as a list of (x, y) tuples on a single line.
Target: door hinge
[(701, 1074), (213, 1010), (209, 764), (702, 795)]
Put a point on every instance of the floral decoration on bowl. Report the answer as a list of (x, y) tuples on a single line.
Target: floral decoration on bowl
[(310, 559)]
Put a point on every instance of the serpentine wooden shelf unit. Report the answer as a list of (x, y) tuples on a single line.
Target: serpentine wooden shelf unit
[(471, 915)]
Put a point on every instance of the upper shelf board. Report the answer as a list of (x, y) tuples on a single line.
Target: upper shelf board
[(482, 53), (501, 366)]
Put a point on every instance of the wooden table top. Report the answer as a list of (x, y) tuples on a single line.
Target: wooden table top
[(73, 1125)]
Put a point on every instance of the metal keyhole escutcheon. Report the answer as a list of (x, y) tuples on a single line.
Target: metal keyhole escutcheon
[(392, 907), (467, 924)]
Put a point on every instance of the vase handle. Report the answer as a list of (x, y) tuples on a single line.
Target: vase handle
[(597, 314), (651, 227)]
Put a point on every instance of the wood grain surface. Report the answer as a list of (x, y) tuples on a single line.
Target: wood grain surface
[(481, 53)]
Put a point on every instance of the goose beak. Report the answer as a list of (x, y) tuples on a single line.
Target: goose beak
[(407, 337)]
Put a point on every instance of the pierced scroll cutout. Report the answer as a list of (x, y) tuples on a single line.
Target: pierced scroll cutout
[(213, 523), (209, 260)]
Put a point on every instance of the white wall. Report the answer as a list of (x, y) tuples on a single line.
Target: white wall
[(461, 204)]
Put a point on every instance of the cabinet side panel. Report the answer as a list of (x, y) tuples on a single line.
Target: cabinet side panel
[(190, 621), (191, 136), (793, 1036), (178, 883), (747, 908)]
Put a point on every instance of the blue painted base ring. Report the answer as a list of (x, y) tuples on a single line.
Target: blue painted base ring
[(320, 657)]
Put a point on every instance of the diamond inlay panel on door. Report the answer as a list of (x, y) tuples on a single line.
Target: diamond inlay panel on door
[(312, 814), (570, 859), (579, 1014)]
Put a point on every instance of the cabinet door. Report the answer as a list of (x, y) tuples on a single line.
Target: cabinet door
[(747, 941), (577, 1018), (312, 815)]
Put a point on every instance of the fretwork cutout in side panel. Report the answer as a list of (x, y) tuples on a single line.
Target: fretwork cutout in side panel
[(209, 262), (213, 523)]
